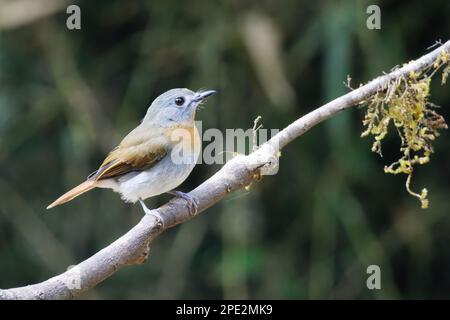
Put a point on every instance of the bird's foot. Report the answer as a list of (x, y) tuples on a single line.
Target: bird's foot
[(153, 213), (191, 201)]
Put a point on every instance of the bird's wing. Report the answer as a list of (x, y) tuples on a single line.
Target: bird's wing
[(141, 149)]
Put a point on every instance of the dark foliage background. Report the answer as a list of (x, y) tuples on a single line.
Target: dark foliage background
[(67, 97)]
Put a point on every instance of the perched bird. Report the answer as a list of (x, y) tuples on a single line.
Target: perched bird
[(154, 158)]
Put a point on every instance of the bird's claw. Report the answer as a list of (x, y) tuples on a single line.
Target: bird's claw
[(155, 213), (191, 201)]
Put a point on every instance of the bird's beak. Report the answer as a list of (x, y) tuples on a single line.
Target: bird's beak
[(199, 96)]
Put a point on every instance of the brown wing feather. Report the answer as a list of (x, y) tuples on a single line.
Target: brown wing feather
[(138, 151)]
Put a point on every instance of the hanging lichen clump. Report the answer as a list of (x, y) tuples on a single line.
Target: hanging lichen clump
[(405, 102)]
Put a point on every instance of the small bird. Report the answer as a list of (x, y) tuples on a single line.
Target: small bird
[(154, 158)]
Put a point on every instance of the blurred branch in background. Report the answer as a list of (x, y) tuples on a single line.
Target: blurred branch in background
[(132, 248), (82, 103), (263, 43), (17, 13)]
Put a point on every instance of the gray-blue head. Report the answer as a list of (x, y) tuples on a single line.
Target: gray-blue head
[(176, 106)]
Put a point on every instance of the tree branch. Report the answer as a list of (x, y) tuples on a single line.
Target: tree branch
[(133, 247)]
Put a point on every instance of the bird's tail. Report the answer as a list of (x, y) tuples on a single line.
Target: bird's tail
[(75, 192)]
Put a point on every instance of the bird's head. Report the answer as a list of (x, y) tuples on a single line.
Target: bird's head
[(175, 106)]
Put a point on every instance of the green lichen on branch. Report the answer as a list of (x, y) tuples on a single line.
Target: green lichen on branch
[(405, 102)]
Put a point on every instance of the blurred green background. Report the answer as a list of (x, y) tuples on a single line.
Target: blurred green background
[(67, 97)]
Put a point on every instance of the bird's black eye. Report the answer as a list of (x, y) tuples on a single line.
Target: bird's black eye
[(179, 101)]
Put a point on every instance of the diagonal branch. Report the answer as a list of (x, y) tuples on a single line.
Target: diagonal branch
[(133, 247)]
